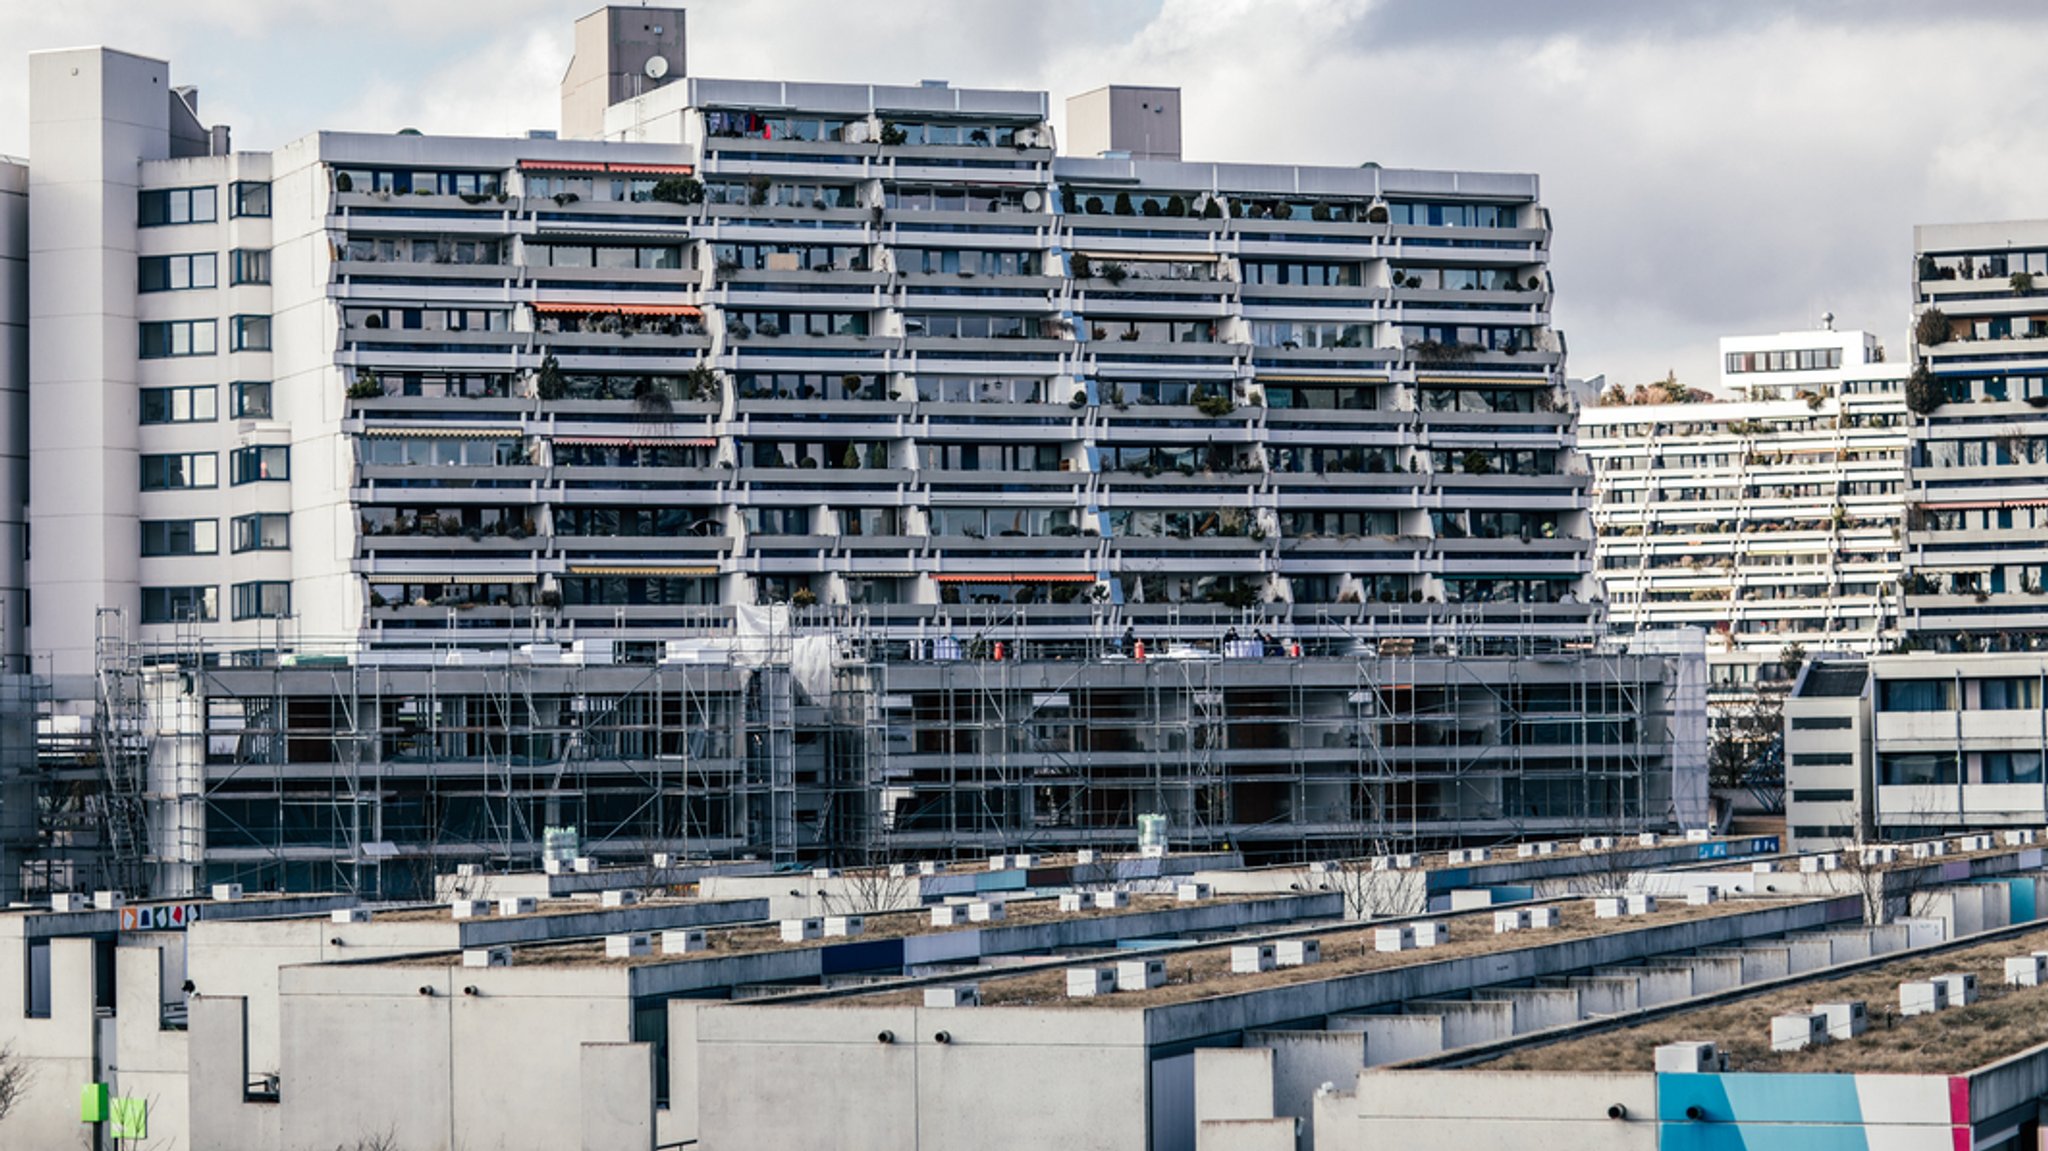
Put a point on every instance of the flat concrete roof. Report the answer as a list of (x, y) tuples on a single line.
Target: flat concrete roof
[(1199, 974), (2003, 1022)]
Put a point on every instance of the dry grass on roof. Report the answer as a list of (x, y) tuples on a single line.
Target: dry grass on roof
[(2003, 1021), (1206, 973)]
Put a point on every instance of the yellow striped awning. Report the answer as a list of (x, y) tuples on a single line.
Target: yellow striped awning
[(440, 577), (442, 433), (643, 569)]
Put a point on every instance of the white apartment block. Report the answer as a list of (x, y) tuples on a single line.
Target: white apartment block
[(1769, 518), (1978, 503), (13, 407)]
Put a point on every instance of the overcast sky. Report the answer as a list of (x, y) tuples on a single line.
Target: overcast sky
[(1711, 168)]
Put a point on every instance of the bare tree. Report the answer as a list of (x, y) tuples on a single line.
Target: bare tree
[(15, 1075), (1369, 893), (868, 890)]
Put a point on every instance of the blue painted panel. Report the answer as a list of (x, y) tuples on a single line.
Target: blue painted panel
[(1760, 1098), (1684, 1136), (2020, 901), (1448, 878), (870, 955), (1713, 851), (1513, 894), (1012, 880)]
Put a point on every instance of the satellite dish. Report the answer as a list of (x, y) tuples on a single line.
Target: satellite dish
[(657, 67), (1034, 199)]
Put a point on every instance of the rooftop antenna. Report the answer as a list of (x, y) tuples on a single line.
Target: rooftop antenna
[(1827, 321)]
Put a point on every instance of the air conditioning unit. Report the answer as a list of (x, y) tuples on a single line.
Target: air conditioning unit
[(1023, 860), (471, 908), (1393, 938), (824, 873), (958, 995), (583, 864), (1112, 900), (1525, 851), (1962, 987), (1516, 919), (998, 863), (900, 871), (1846, 1020), (1702, 895), (948, 915), (1089, 982), (663, 861), (1641, 904), (518, 905), (844, 926), (1140, 974), (1323, 867), (1407, 862), (985, 911), (684, 941), (1798, 1031), (69, 901), (109, 900), (928, 867), (1697, 835), (1192, 892), (1297, 952), (226, 892), (1597, 843), (628, 945), (1922, 997), (552, 866), (487, 957), (1470, 855), (1689, 1058), (1085, 855), (1072, 901), (1251, 958), (1543, 918), (1609, 907), (1764, 868), (349, 915), (798, 930), (620, 897), (1432, 934)]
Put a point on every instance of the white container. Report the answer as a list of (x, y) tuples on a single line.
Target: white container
[(1085, 856), (948, 915), (1432, 934), (471, 908), (1597, 843), (1688, 1059), (226, 892), (1845, 1020), (2025, 970), (844, 926), (1765, 868), (1023, 859), (552, 866), (1703, 895), (584, 864), (1112, 900), (1393, 938), (109, 900), (620, 897), (467, 871), (1641, 903), (628, 945), (1072, 901), (663, 861), (69, 901), (824, 873), (998, 862), (1696, 835), (1543, 918), (1922, 997), (1962, 987), (2019, 838), (1383, 863), (1469, 855), (1648, 839), (1297, 952), (518, 905), (1407, 862), (1089, 982), (958, 995), (1251, 958), (899, 871), (799, 930), (1515, 919), (985, 911), (349, 915), (1609, 907), (487, 957), (1140, 974), (1525, 851), (1798, 1031), (1192, 892), (684, 941), (927, 867)]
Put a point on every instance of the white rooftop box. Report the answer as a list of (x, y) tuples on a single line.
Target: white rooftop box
[(628, 945), (109, 900), (1696, 835), (1400, 938), (928, 867), (226, 892), (684, 941), (948, 915), (487, 957), (1641, 903), (1513, 919), (663, 861), (824, 873), (583, 864), (1251, 958), (1962, 987), (1085, 855), (1112, 900), (844, 926), (1089, 982), (1140, 974), (798, 930), (1543, 917), (1845, 1020), (985, 911), (1798, 1031), (69, 901), (1297, 952), (1192, 892), (349, 915), (1922, 997), (518, 905), (620, 897), (958, 995), (1071, 901), (1702, 895), (1688, 1059), (1649, 839), (467, 871), (2025, 970), (1609, 907), (900, 871), (1432, 934), (471, 908), (1597, 843)]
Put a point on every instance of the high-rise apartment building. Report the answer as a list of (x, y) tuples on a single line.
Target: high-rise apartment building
[(1773, 517), (794, 468), (1977, 527)]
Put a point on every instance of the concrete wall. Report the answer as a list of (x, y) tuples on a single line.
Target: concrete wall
[(1394, 1038), (62, 1052), (1467, 1110), (1303, 1061)]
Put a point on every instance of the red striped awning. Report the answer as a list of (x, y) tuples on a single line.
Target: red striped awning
[(639, 441), (651, 169), (595, 166), (556, 308), (560, 166), (1011, 577)]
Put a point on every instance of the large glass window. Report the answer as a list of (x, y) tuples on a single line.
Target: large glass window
[(249, 400), (196, 405), (248, 198), (180, 537), (2009, 694), (2012, 767), (260, 465), (180, 470), (249, 266), (1916, 695), (199, 604), (177, 206), (261, 600), (1916, 768), (269, 531), (250, 333), (167, 338), (175, 273)]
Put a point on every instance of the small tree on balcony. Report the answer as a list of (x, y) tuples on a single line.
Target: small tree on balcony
[(548, 383), (2022, 283), (679, 190), (1923, 393), (1932, 328)]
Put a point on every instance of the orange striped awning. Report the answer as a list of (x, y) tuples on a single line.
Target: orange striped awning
[(651, 169), (1011, 577), (556, 308), (560, 166), (639, 441), (595, 166)]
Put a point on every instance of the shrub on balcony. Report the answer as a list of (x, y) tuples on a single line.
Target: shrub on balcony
[(1923, 393), (1123, 205), (1215, 407), (1932, 328), (2022, 283), (679, 190), (365, 386)]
